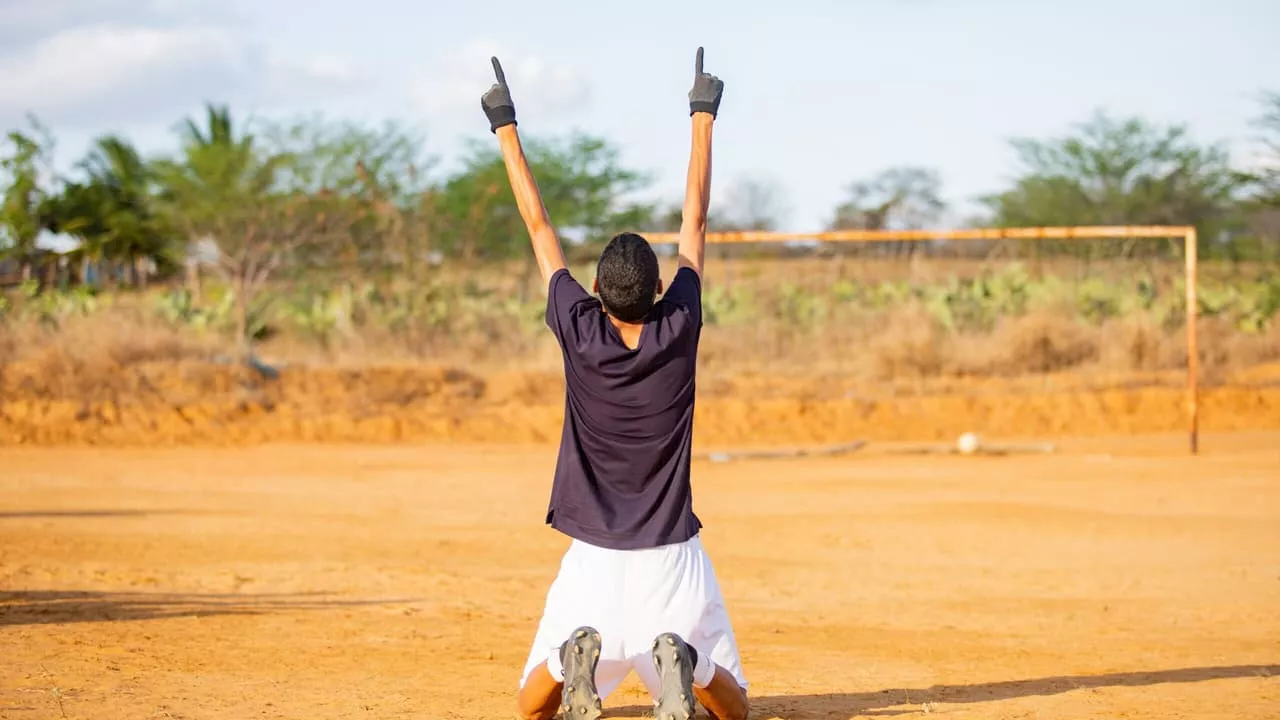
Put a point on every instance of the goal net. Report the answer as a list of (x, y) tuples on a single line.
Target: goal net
[(1009, 332)]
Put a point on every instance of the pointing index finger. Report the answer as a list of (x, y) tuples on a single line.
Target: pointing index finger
[(697, 64), (497, 71)]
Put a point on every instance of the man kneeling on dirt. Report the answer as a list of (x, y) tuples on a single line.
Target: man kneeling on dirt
[(635, 590)]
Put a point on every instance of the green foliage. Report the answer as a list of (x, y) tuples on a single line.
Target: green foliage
[(363, 206), (1098, 300), (23, 192), (220, 180), (799, 307), (178, 308), (897, 198), (727, 305), (1117, 172), (977, 304), (582, 183), (113, 212), (326, 315), (50, 307), (1251, 306), (321, 314)]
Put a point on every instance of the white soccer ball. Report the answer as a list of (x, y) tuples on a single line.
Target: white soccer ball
[(968, 443)]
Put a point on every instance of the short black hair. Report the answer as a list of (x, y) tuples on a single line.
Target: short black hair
[(627, 277)]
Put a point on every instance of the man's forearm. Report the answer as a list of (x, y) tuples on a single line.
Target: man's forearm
[(546, 246), (697, 198)]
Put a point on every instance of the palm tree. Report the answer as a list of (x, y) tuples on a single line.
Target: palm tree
[(113, 212), (135, 230), (81, 211), (222, 189)]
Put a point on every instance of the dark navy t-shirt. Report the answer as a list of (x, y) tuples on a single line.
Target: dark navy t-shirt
[(622, 478)]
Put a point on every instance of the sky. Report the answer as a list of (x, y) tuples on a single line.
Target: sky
[(818, 93)]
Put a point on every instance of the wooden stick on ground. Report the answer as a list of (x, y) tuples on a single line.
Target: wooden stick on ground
[(780, 453)]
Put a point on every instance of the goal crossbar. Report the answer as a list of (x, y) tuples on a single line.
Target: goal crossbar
[(1088, 232)]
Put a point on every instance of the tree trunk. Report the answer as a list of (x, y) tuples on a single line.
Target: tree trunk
[(26, 269), (193, 281), (193, 272), (243, 345)]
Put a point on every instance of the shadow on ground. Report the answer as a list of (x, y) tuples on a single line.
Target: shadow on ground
[(48, 607), (25, 514), (901, 701)]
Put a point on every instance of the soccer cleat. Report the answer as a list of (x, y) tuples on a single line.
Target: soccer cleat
[(674, 663), (579, 699)]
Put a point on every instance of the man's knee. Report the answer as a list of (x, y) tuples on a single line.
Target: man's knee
[(545, 712), (734, 707), (739, 712), (537, 706)]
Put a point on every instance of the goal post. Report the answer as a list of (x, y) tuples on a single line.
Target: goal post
[(1094, 232)]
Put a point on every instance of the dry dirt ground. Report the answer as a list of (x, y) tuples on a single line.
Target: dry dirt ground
[(1115, 579), (177, 405)]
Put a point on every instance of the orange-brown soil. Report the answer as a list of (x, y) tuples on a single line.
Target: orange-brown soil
[(1118, 578), (177, 404)]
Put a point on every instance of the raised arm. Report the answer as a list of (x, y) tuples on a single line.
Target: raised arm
[(704, 104), (501, 111)]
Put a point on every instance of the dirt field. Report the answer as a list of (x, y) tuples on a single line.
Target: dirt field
[(1116, 579), (201, 404)]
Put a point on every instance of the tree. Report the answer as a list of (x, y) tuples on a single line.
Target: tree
[(215, 170), (1117, 172), (1263, 206), (378, 174), (133, 230), (900, 198), (23, 206), (247, 201), (750, 204), (1269, 123), (81, 210), (583, 185), (664, 217)]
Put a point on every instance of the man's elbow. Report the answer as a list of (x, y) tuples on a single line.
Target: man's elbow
[(539, 228), (694, 225)]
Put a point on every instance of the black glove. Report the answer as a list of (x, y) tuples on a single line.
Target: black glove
[(497, 103), (706, 92)]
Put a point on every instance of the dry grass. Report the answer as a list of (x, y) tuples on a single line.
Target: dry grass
[(85, 353), (92, 357), (90, 352), (910, 345)]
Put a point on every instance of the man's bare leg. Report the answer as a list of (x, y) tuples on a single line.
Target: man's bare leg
[(543, 695), (724, 698), (539, 699), (679, 669)]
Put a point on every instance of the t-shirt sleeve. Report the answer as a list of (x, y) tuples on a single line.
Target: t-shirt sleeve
[(685, 292), (562, 295)]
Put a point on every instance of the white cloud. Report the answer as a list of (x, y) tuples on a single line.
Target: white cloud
[(23, 22), (155, 63), (540, 88), (86, 66)]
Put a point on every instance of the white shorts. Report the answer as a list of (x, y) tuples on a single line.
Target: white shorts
[(631, 597)]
